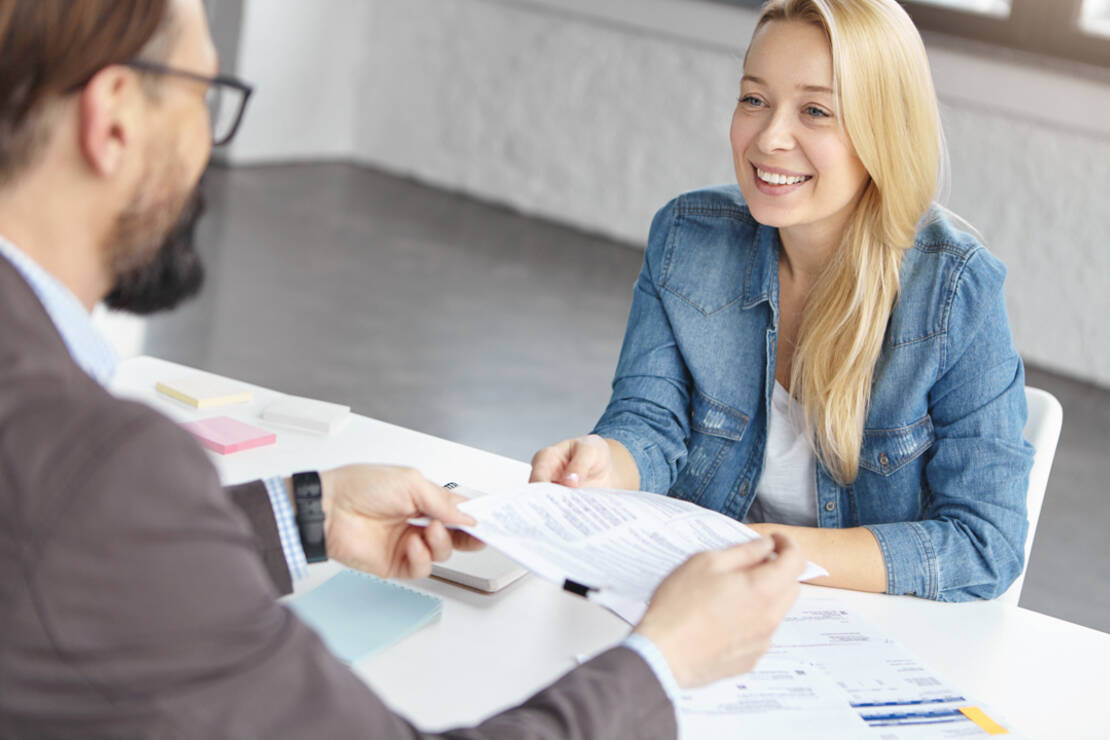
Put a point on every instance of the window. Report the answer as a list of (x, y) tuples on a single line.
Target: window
[(1076, 30), (986, 7), (1059, 28), (1095, 18)]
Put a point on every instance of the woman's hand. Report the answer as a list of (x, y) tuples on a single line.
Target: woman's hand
[(586, 462)]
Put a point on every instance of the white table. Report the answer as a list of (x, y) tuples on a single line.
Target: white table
[(1048, 677)]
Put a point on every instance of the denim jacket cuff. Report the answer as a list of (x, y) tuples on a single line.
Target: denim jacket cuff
[(655, 474), (911, 561)]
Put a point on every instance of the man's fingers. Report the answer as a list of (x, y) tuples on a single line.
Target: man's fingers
[(789, 561), (436, 502), (438, 541), (417, 562), (745, 555)]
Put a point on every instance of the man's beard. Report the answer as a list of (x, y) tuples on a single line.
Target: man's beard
[(151, 252)]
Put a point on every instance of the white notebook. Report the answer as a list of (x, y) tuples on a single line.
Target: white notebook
[(306, 413), (485, 569)]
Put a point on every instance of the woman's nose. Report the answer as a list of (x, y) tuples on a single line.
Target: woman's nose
[(777, 134)]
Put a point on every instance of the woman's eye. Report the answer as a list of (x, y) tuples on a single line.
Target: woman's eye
[(814, 112), (751, 100)]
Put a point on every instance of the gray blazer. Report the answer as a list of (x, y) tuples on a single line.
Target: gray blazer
[(137, 596)]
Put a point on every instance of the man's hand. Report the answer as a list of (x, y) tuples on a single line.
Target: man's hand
[(366, 513), (714, 616)]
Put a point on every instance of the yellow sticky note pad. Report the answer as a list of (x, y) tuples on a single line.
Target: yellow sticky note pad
[(985, 723), (204, 391)]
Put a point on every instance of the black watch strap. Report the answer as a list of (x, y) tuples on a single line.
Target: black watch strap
[(307, 493)]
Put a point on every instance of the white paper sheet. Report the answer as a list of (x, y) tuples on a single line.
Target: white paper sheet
[(831, 670), (621, 543)]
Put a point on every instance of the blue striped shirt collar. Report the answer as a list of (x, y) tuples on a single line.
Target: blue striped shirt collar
[(86, 344)]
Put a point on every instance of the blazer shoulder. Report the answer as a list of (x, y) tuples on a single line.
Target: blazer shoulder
[(63, 434)]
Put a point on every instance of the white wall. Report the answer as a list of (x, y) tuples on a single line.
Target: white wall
[(595, 112), (553, 115), (304, 60)]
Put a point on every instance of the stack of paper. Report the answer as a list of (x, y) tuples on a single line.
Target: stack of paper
[(306, 413), (201, 390), (225, 435)]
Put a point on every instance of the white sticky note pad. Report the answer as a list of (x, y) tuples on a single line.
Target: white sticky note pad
[(201, 390), (306, 413)]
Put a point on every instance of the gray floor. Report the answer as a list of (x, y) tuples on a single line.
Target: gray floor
[(467, 321)]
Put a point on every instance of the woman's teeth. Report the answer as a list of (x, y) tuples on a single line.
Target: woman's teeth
[(773, 178)]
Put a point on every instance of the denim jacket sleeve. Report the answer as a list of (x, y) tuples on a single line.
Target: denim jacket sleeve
[(647, 412), (969, 541)]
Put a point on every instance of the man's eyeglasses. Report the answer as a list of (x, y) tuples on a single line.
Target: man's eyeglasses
[(226, 97)]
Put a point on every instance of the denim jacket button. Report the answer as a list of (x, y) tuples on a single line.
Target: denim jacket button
[(883, 459), (830, 506)]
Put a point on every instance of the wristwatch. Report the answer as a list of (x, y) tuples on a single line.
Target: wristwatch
[(307, 493)]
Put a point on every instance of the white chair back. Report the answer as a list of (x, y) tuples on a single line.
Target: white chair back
[(1042, 429)]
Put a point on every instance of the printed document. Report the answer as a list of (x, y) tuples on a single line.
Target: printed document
[(832, 674), (618, 544)]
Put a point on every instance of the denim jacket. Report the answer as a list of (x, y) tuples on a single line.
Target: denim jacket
[(943, 466)]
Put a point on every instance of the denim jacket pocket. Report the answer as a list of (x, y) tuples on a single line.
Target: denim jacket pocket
[(714, 418), (706, 267), (714, 429), (886, 451)]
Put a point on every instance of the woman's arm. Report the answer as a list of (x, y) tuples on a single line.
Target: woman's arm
[(647, 421), (851, 556), (967, 542)]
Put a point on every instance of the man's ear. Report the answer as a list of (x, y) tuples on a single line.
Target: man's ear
[(108, 116)]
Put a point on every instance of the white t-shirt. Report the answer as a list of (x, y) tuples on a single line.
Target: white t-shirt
[(787, 492)]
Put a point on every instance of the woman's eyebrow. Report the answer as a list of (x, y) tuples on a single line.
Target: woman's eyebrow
[(803, 88)]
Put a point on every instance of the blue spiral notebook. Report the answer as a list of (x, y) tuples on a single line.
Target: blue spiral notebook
[(357, 614)]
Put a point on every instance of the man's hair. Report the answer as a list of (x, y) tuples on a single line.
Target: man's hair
[(51, 48)]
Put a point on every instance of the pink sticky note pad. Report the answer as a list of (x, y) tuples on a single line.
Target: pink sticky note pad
[(225, 435)]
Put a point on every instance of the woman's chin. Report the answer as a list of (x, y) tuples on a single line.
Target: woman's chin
[(777, 218)]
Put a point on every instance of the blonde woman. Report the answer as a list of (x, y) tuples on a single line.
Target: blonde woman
[(820, 351)]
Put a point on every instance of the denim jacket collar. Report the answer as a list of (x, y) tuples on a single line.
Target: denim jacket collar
[(763, 271)]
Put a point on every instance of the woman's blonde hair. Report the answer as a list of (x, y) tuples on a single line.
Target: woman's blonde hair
[(888, 108)]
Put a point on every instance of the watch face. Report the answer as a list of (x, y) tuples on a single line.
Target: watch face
[(310, 515), (306, 485)]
